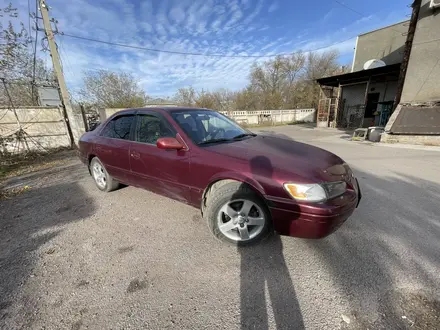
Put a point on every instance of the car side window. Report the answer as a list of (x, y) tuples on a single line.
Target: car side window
[(119, 127), (150, 128)]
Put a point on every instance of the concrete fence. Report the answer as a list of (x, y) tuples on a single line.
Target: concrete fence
[(252, 117), (33, 128), (105, 113), (273, 116)]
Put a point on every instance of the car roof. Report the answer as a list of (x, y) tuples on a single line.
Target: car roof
[(165, 108)]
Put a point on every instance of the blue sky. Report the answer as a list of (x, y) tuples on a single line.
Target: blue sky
[(245, 27)]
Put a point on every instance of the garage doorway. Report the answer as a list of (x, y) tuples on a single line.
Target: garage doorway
[(370, 109)]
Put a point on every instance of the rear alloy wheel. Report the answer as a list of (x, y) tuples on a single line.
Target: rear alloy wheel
[(102, 179), (236, 214)]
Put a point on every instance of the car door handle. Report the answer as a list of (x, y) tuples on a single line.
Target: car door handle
[(135, 155)]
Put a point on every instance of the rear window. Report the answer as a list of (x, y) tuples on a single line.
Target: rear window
[(119, 128)]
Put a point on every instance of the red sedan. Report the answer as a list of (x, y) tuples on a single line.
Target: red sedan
[(246, 185)]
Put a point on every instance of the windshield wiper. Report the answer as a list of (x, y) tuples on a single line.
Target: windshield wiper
[(240, 136), (243, 135), (213, 141)]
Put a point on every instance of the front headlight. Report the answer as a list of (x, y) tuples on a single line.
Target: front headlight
[(306, 192), (315, 192), (334, 189)]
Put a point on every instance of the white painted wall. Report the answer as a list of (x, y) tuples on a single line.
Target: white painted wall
[(276, 116)]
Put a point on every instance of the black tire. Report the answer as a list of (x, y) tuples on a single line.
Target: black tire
[(220, 196), (110, 183)]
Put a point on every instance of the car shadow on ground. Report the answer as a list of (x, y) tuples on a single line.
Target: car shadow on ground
[(386, 257), (28, 223), (264, 265)]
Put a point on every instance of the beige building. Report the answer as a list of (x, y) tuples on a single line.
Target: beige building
[(386, 44), (400, 90)]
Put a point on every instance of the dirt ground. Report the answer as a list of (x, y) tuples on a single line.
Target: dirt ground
[(72, 257)]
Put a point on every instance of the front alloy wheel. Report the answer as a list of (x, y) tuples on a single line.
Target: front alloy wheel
[(241, 220), (237, 214)]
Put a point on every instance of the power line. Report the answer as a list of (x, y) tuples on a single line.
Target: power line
[(197, 54), (349, 8), (29, 18), (68, 67), (359, 13), (63, 53), (34, 65)]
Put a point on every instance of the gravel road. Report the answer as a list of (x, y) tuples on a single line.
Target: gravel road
[(72, 257)]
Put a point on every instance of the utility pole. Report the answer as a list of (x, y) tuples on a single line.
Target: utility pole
[(407, 52), (75, 131)]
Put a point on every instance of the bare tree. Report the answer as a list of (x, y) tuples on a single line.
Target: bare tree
[(17, 63), (321, 64), (205, 99), (248, 99), (185, 97), (268, 79), (269, 76), (13, 43), (112, 90), (220, 100), (280, 83), (224, 99), (293, 67), (318, 65), (286, 82)]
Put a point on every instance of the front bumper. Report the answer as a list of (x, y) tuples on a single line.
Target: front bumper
[(314, 220)]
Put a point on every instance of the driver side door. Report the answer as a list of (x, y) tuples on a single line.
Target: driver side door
[(161, 171)]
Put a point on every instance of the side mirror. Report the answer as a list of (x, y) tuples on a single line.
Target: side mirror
[(169, 143)]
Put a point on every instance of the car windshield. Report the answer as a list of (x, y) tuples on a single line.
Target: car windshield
[(206, 126)]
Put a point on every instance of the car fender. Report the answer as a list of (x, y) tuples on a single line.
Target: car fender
[(230, 175)]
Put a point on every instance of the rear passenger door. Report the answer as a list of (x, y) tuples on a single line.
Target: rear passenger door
[(113, 146), (161, 171)]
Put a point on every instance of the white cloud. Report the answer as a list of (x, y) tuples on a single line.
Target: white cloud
[(326, 17), (217, 23), (274, 6), (251, 16), (197, 26), (177, 14)]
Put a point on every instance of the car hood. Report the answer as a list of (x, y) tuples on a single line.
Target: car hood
[(285, 155)]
